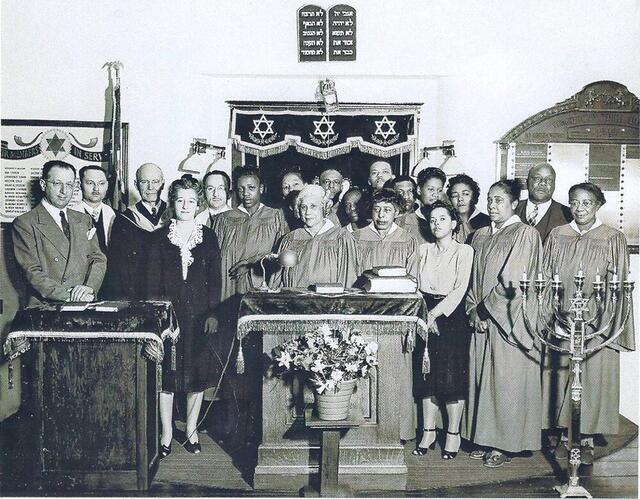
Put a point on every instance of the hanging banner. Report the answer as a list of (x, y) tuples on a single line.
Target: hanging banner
[(320, 135)]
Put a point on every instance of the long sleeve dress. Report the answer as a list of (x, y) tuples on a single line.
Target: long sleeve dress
[(504, 408), (397, 248), (190, 279), (601, 248)]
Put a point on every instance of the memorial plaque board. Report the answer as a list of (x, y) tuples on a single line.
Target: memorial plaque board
[(342, 33), (604, 166), (312, 33), (526, 157)]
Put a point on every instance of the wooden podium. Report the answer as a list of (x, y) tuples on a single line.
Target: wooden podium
[(91, 385), (371, 454)]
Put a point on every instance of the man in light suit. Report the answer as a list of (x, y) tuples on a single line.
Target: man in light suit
[(57, 247), (94, 185), (217, 187), (131, 235), (539, 210)]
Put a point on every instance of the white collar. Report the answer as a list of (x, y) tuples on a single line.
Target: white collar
[(475, 213), (328, 224), (542, 207), (244, 210), (150, 206), (418, 212), (224, 208), (392, 229), (91, 210), (53, 211), (512, 220), (595, 225)]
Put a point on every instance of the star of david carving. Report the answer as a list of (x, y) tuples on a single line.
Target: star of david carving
[(55, 144), (326, 133), (257, 126), (391, 130), (578, 305)]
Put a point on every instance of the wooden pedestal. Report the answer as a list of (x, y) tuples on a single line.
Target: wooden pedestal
[(93, 409)]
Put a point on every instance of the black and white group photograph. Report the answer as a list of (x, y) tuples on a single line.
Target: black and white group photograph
[(287, 249)]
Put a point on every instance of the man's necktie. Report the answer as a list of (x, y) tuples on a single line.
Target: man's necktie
[(65, 225), (533, 216), (154, 211), (95, 215)]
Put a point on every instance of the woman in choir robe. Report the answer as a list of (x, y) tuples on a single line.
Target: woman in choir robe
[(383, 243), (326, 253), (503, 413), (185, 269), (598, 249), (246, 234), (464, 193), (444, 270)]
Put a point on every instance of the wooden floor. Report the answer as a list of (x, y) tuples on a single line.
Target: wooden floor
[(220, 472)]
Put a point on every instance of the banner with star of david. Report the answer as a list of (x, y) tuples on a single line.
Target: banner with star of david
[(323, 136)]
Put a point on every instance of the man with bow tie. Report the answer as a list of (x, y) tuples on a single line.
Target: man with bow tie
[(94, 186), (57, 247)]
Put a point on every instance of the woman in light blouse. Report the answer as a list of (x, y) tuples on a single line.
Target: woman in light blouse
[(444, 270)]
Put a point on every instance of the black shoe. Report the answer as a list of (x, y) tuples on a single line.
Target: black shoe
[(586, 455), (164, 451), (193, 448), (447, 454), (421, 451)]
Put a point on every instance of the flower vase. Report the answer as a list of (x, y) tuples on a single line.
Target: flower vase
[(334, 405)]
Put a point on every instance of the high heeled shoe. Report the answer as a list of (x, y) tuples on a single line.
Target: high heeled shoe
[(164, 451), (447, 454), (421, 451), (193, 448)]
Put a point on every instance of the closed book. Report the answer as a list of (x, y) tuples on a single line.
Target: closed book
[(377, 284), (329, 288), (389, 271)]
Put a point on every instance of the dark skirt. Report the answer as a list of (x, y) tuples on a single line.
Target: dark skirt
[(448, 377)]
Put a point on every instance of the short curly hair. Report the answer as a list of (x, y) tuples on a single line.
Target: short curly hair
[(186, 182), (313, 190), (465, 179), (591, 188), (511, 187), (386, 195), (453, 213), (431, 172)]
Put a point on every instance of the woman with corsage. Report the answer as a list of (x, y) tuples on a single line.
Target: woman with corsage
[(444, 271), (184, 264)]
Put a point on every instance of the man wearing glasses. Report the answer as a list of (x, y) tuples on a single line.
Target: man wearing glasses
[(57, 247), (539, 210), (131, 236)]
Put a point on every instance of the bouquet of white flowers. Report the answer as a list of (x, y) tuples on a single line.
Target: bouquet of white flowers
[(330, 356)]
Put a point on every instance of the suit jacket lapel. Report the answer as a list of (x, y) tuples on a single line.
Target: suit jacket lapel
[(50, 230)]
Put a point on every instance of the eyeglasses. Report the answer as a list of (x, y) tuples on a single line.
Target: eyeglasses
[(331, 182), (58, 185), (146, 183), (587, 203)]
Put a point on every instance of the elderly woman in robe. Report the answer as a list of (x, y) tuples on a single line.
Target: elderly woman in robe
[(599, 249), (326, 252), (504, 407)]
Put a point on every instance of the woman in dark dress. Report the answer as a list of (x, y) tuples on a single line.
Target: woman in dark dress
[(185, 269), (464, 193), (444, 269)]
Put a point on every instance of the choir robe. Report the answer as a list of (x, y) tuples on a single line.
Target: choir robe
[(504, 408), (603, 248), (476, 221), (397, 248), (330, 256), (245, 237), (415, 225)]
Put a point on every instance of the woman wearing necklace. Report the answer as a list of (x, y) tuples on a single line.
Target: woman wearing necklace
[(185, 259), (444, 271)]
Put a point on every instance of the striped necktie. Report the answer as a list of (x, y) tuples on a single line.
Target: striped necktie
[(533, 216), (65, 225)]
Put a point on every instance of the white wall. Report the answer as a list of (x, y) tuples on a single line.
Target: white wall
[(479, 67)]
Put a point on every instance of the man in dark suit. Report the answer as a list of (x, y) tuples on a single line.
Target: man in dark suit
[(57, 247), (131, 236), (539, 210), (94, 185)]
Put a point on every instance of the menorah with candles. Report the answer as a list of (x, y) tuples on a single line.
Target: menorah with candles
[(571, 328)]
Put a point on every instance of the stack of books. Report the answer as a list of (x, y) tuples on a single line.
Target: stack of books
[(389, 280)]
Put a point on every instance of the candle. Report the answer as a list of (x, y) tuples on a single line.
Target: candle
[(539, 276), (524, 275), (556, 276), (597, 275), (580, 273)]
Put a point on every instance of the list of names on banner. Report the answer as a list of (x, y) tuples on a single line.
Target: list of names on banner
[(342, 33), (312, 33), (527, 156)]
